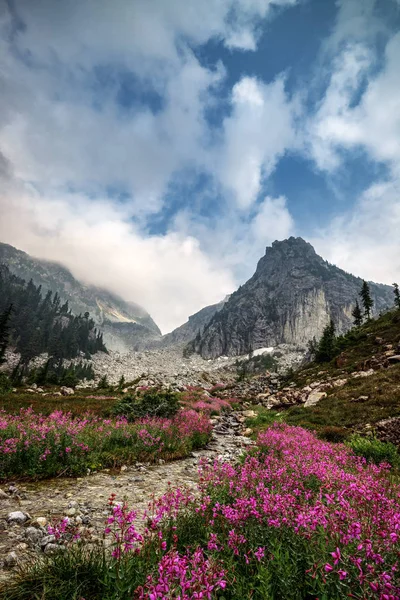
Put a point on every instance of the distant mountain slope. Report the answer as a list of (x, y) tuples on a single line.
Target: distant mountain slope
[(289, 299), (195, 324), (107, 309)]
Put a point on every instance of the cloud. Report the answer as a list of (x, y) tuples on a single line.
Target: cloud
[(168, 274), (255, 135), (87, 163), (365, 239)]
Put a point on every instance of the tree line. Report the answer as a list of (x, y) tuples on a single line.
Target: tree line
[(32, 323), (327, 347)]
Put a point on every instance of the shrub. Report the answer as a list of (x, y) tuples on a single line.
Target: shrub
[(5, 383), (152, 402), (373, 450), (330, 433)]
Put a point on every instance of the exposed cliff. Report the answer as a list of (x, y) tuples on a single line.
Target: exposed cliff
[(289, 299)]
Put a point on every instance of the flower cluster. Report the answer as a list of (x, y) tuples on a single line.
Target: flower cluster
[(296, 514), (34, 444)]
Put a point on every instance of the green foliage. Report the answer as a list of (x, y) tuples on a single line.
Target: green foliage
[(326, 348), (396, 295), (357, 315), (38, 323), (152, 402), (103, 383), (56, 373), (374, 450), (5, 383), (4, 331), (366, 299)]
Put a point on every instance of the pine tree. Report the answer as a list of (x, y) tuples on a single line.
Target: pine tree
[(327, 344), (4, 331), (366, 299), (357, 315), (396, 295)]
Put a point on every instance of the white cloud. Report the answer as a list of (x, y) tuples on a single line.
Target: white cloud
[(365, 240), (169, 275), (258, 131), (67, 139)]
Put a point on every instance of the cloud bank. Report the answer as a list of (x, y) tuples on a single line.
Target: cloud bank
[(137, 151)]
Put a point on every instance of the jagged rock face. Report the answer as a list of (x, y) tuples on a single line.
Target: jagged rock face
[(290, 298), (107, 310)]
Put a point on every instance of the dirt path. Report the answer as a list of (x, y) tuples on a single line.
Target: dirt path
[(84, 499)]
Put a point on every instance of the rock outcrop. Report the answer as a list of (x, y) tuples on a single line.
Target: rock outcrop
[(290, 298)]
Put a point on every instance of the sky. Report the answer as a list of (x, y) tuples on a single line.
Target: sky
[(156, 147)]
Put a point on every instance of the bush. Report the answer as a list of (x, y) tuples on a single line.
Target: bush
[(334, 434), (152, 402), (5, 383), (373, 450)]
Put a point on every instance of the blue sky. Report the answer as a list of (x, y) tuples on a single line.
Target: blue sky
[(156, 148)]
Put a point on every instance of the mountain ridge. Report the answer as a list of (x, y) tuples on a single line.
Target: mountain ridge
[(289, 299), (107, 309)]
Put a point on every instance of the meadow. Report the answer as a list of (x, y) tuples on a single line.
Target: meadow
[(297, 518), (147, 426)]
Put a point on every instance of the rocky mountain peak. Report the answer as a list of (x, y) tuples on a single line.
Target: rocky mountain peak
[(290, 298)]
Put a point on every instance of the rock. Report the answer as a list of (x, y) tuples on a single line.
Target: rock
[(67, 391), (394, 359), (314, 398), (339, 382), (379, 340), (249, 414), (10, 560), (53, 549), (17, 517), (70, 512), (315, 384), (40, 390), (3, 495), (123, 468), (48, 539), (247, 432), (33, 534), (358, 374), (41, 521), (307, 389)]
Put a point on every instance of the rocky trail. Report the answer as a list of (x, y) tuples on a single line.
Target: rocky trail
[(27, 508)]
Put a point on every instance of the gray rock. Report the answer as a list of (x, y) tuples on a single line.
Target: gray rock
[(289, 299), (394, 359), (10, 560), (17, 517), (33, 534), (3, 495)]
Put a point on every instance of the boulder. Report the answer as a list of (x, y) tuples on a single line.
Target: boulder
[(314, 398), (67, 391), (17, 517)]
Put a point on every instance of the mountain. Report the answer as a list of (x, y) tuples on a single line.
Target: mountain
[(195, 324), (289, 299), (116, 318)]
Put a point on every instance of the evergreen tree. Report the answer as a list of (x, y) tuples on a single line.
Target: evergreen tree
[(357, 315), (327, 344), (4, 331), (40, 324), (366, 299), (396, 295)]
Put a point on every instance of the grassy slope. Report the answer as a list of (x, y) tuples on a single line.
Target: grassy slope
[(340, 409)]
